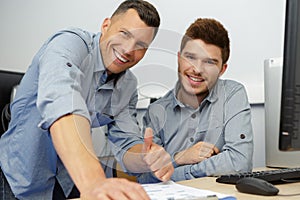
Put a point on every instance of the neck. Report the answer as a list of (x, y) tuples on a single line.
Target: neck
[(192, 100)]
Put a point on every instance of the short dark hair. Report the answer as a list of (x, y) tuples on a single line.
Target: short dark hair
[(146, 11), (210, 31)]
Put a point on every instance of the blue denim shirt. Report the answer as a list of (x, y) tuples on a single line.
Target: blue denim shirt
[(223, 119), (63, 78)]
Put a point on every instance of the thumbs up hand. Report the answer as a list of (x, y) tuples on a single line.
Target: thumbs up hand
[(156, 158), (148, 137)]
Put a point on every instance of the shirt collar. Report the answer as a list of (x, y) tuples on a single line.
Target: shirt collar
[(176, 102), (99, 65), (213, 94)]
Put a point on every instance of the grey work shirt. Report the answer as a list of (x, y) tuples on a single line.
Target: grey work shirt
[(223, 119), (64, 77)]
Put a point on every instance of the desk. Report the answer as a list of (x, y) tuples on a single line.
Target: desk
[(209, 183)]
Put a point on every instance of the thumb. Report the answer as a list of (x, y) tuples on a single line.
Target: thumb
[(148, 137)]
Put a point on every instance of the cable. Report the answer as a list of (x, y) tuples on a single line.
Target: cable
[(288, 195), (5, 114), (2, 120)]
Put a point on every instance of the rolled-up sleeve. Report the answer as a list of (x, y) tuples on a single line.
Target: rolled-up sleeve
[(60, 79)]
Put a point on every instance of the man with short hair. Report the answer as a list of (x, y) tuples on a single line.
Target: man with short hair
[(79, 80), (204, 122)]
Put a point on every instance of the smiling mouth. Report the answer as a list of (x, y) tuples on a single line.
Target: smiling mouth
[(195, 79), (120, 57)]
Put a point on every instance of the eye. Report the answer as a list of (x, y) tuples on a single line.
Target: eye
[(125, 34), (190, 57), (141, 45), (210, 62)]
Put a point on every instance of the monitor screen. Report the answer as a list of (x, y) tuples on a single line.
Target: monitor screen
[(289, 137), (282, 96)]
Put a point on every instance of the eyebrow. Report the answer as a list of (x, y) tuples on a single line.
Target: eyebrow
[(189, 53)]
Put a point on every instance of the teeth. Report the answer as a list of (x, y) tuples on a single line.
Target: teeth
[(195, 79), (120, 57)]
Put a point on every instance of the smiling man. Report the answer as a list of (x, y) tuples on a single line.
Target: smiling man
[(123, 44), (205, 121), (79, 80)]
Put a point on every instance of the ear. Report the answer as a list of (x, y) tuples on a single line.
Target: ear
[(223, 69), (178, 58), (105, 25), (178, 55)]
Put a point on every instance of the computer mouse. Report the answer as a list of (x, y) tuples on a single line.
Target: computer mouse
[(257, 186)]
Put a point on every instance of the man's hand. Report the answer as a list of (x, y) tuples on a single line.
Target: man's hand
[(196, 153), (156, 158), (115, 189)]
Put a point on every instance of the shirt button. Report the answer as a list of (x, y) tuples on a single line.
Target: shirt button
[(242, 136), (193, 115), (191, 139), (69, 64)]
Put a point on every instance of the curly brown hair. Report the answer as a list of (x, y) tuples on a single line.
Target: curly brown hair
[(209, 31)]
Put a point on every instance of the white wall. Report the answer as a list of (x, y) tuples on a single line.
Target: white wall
[(255, 29)]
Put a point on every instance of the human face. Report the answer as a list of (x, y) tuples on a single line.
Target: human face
[(199, 66), (124, 41)]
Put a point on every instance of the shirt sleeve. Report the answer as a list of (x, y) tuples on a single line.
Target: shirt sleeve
[(125, 132), (60, 78), (155, 118), (236, 154)]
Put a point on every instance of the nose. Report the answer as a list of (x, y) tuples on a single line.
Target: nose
[(198, 67), (129, 47)]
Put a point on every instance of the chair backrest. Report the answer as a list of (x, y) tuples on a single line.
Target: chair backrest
[(8, 82)]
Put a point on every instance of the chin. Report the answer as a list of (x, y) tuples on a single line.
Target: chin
[(190, 91), (116, 69)]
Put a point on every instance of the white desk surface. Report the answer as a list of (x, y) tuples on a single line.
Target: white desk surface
[(209, 183)]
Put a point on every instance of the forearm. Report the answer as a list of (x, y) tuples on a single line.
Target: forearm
[(72, 140), (227, 162), (184, 158), (179, 158), (133, 160), (195, 154), (223, 163)]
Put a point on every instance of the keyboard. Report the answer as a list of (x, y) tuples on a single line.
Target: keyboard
[(272, 176)]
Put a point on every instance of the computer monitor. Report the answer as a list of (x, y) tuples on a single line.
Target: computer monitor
[(282, 96), (8, 81), (289, 138)]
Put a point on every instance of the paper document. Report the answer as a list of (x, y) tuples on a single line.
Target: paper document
[(173, 191)]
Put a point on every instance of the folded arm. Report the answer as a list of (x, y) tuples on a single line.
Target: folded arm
[(235, 155)]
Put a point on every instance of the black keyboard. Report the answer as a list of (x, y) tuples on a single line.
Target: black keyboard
[(272, 176)]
